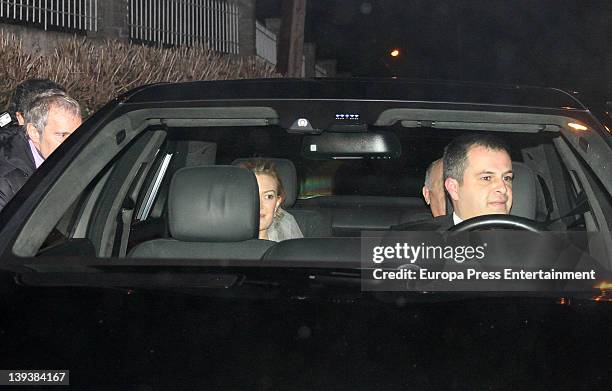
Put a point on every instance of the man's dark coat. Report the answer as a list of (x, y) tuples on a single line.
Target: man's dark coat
[(16, 162)]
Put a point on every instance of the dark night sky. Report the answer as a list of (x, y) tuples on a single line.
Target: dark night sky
[(561, 43)]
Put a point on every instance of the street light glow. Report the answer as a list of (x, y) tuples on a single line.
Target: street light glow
[(395, 53)]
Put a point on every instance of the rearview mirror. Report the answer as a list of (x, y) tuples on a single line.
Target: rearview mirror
[(344, 145)]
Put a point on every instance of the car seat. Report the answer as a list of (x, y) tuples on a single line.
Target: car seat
[(213, 213)]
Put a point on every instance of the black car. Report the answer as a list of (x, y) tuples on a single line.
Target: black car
[(131, 256)]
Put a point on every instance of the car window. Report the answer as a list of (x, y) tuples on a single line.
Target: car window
[(107, 204), (126, 204)]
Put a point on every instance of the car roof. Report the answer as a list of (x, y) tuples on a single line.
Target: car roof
[(357, 89)]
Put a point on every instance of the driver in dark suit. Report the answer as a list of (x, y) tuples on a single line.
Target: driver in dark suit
[(477, 178)]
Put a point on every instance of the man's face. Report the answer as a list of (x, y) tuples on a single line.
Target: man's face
[(60, 125), (487, 184), (434, 194)]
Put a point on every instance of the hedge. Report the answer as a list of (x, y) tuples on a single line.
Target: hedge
[(95, 72)]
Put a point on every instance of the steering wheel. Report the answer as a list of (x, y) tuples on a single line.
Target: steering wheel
[(498, 221)]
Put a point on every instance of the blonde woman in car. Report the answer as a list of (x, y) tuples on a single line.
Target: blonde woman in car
[(275, 223)]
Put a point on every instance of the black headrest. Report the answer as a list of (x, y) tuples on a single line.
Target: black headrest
[(286, 172), (524, 191), (213, 204)]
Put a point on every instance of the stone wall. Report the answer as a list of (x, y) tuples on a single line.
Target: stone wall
[(34, 40)]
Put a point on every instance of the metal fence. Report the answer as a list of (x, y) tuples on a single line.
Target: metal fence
[(266, 47), (72, 15), (213, 23), (265, 43)]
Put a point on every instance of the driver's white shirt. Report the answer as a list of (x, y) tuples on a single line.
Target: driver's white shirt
[(456, 219)]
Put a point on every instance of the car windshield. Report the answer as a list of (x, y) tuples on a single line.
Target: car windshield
[(266, 181)]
